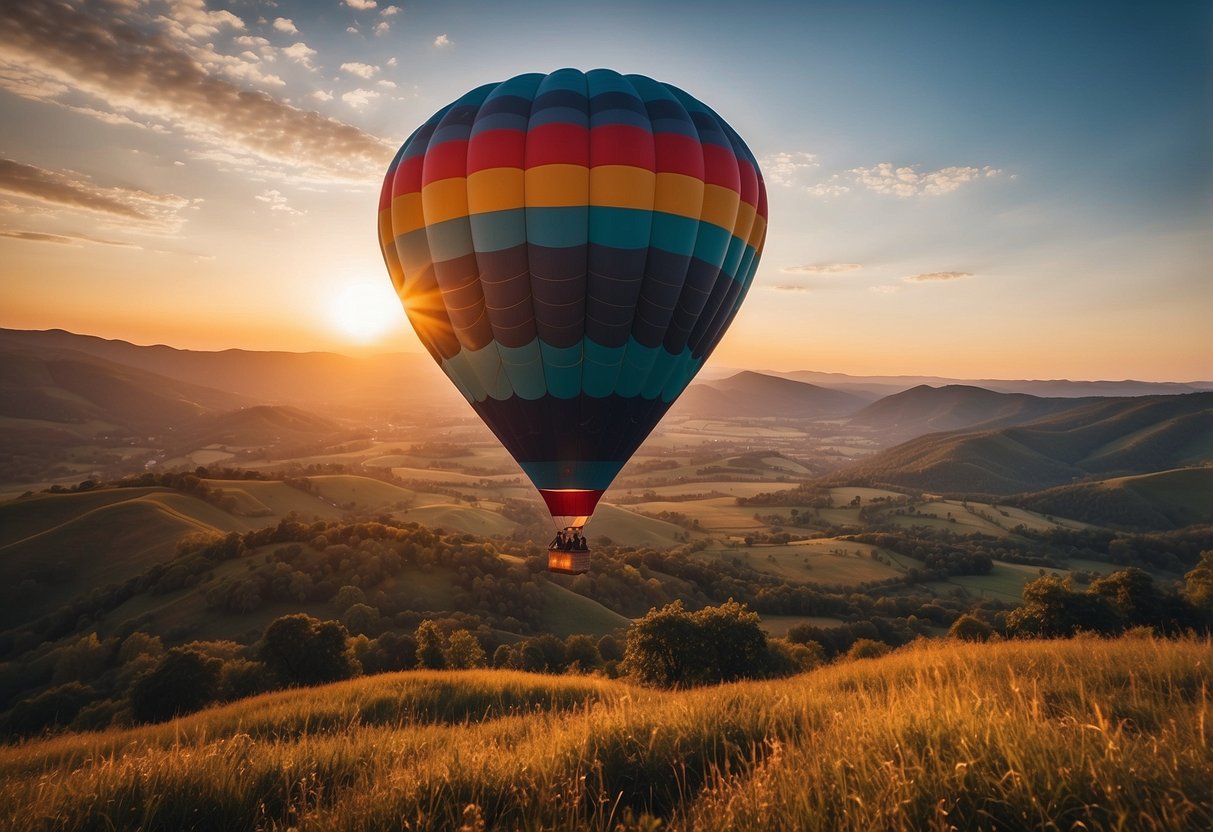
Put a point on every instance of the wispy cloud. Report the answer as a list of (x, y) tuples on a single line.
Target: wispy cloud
[(788, 287), (822, 268), (885, 289), (278, 202), (442, 40), (50, 49), (907, 181), (937, 277), (126, 206), (785, 168), (74, 240), (359, 69)]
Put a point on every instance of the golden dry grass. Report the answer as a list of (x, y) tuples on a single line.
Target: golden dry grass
[(1085, 734)]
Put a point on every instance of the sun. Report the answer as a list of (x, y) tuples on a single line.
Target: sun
[(364, 312)]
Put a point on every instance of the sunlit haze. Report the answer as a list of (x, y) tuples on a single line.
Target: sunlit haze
[(1020, 191)]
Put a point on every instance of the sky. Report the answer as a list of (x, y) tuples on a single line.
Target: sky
[(973, 190)]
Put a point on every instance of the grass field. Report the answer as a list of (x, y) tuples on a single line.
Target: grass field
[(821, 561), (567, 613), (1085, 734)]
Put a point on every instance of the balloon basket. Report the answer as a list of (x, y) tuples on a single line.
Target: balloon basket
[(568, 562)]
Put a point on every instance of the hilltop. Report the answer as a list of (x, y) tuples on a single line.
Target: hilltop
[(1102, 734)]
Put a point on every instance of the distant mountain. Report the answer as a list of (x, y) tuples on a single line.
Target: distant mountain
[(925, 409), (314, 379), (758, 395), (1107, 437), (258, 425), (87, 395), (1061, 388)]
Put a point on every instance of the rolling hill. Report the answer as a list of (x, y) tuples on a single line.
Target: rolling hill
[(759, 395), (925, 409), (1108, 437), (1164, 500), (1059, 388)]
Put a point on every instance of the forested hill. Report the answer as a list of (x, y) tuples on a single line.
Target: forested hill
[(1106, 437)]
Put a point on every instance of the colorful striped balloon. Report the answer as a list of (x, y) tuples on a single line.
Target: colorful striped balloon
[(570, 248)]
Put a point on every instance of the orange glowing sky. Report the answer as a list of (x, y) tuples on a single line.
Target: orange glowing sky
[(1034, 206)]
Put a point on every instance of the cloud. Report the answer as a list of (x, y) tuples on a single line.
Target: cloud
[(822, 268), (359, 98), (788, 287), (277, 202), (300, 53), (285, 24), (386, 84), (391, 61), (784, 168), (73, 240), (361, 70), (906, 181), (390, 11), (191, 19), (442, 40), (353, 30), (827, 189), (65, 189), (382, 27), (885, 289), (361, 5), (50, 49), (321, 95), (936, 277)]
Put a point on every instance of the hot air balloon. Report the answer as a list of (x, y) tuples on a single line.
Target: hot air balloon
[(570, 248)]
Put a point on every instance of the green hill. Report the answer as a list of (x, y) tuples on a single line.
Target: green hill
[(1083, 734), (1165, 500), (1108, 437)]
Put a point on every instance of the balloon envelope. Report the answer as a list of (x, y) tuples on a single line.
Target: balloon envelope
[(570, 248)]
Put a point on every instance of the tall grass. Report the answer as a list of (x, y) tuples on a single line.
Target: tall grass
[(1085, 734)]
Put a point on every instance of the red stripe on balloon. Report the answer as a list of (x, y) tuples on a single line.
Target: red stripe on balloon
[(749, 181), (676, 153), (720, 167), (496, 149), (622, 144), (570, 502), (445, 161), (557, 144), (408, 176)]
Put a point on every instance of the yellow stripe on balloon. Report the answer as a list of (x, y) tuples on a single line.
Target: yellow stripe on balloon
[(495, 189), (446, 199), (557, 186), (679, 194), (407, 214), (622, 186), (720, 206), (758, 233)]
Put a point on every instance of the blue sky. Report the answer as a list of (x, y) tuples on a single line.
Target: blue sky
[(965, 189)]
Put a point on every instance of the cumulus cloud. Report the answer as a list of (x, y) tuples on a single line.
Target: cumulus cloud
[(386, 84), (192, 19), (935, 277), (390, 11), (822, 268), (442, 40), (63, 189), (359, 98), (361, 70), (907, 181), (300, 53), (361, 5), (382, 27), (321, 95), (285, 24), (784, 168), (391, 61), (103, 51)]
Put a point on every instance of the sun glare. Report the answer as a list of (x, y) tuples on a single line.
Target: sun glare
[(364, 312)]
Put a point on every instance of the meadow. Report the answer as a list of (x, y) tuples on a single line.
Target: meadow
[(1082, 734)]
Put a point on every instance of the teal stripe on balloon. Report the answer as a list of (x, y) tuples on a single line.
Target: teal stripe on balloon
[(558, 227), (499, 230), (562, 369), (524, 366)]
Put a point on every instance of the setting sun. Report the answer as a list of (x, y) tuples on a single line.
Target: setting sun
[(365, 312)]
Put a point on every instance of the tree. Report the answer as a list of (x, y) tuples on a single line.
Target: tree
[(429, 646), (1052, 609), (1198, 584), (184, 681), (301, 650), (969, 627), (462, 651), (671, 647)]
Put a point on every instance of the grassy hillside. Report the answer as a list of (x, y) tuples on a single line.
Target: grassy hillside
[(926, 409), (1020, 735), (1114, 436), (760, 395), (1164, 500)]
